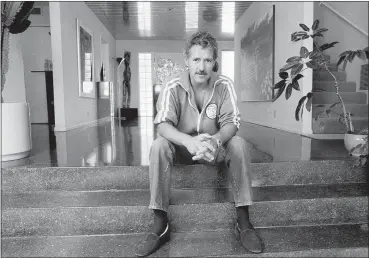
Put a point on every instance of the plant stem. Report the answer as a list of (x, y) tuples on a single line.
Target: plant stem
[(347, 124)]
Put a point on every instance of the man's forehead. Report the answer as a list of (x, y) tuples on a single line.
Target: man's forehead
[(197, 50)]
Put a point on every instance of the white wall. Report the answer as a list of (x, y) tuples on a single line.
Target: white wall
[(278, 114), (14, 89), (71, 110), (153, 46), (347, 36)]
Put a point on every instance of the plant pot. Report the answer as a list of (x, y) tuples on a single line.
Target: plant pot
[(352, 140), (16, 131)]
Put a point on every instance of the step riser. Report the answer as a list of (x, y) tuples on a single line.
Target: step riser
[(356, 110), (326, 76), (329, 241), (191, 217), (330, 86), (333, 126), (348, 98), (195, 176)]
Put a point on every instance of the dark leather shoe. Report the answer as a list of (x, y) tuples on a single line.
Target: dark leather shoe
[(250, 239), (152, 242)]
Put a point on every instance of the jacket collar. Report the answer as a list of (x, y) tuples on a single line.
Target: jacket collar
[(184, 79)]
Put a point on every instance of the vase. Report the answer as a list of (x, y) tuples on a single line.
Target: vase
[(352, 140), (16, 131)]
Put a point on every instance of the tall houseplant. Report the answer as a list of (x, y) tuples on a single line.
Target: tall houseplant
[(15, 133), (315, 60)]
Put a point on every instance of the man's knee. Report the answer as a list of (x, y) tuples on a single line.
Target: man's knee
[(161, 146), (237, 145)]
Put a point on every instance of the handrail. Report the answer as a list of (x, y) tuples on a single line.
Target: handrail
[(344, 18)]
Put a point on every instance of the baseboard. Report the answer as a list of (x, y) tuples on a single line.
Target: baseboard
[(84, 125), (273, 127)]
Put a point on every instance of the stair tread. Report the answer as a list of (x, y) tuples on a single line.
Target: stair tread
[(187, 217), (53, 199), (208, 243), (17, 180)]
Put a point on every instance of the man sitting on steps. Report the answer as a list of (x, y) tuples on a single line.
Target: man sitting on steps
[(197, 122)]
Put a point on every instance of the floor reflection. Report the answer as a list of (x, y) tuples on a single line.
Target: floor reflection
[(127, 143)]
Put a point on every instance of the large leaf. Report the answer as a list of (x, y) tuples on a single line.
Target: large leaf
[(295, 85), (351, 56), (321, 30), (288, 66), (315, 25), (279, 92), (309, 102), (280, 84), (344, 53), (283, 75), (299, 107), (304, 53), (340, 60), (297, 77), (293, 59), (296, 69), (304, 27), (288, 91)]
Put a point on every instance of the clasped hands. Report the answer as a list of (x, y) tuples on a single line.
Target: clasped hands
[(200, 147)]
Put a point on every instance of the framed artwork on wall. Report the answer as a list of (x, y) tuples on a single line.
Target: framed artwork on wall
[(257, 55), (85, 58)]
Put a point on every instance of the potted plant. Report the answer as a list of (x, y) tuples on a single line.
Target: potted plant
[(15, 133), (315, 60)]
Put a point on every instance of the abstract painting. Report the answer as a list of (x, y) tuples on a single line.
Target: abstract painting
[(257, 59)]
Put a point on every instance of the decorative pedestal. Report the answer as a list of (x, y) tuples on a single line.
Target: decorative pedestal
[(128, 113)]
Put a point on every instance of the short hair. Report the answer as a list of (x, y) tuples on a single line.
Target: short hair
[(204, 39)]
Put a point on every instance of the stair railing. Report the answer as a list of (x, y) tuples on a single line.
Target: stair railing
[(344, 18)]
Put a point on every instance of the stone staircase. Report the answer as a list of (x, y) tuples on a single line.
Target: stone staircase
[(302, 208), (356, 102)]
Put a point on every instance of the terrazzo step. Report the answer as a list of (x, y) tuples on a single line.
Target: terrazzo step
[(348, 97), (65, 221), (329, 86), (20, 180), (54, 199), (334, 126), (358, 110), (326, 76), (279, 241)]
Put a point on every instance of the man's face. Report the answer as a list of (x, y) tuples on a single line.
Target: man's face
[(200, 64)]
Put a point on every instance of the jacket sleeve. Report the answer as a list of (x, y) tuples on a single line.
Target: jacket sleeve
[(167, 105), (229, 112)]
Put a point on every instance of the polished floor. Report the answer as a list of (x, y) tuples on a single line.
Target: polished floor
[(127, 143)]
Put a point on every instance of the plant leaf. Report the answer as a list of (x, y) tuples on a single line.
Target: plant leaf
[(351, 57), (344, 53), (298, 108), (315, 25), (320, 105), (283, 75), (304, 53), (305, 36), (334, 104), (309, 102), (279, 92), (340, 60), (318, 90), (321, 30), (317, 35), (312, 64), (297, 77), (295, 85), (304, 27), (295, 70), (293, 59), (288, 66), (280, 84), (361, 54), (328, 112), (288, 91), (296, 36)]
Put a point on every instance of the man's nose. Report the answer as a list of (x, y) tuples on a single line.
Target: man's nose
[(201, 66)]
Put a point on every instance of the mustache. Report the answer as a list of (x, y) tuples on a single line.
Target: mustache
[(201, 73)]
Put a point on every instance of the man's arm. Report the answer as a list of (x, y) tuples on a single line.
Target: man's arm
[(226, 133), (171, 133)]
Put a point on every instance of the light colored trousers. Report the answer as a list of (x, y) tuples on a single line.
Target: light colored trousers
[(163, 154)]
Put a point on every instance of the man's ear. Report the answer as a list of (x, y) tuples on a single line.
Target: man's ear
[(216, 67)]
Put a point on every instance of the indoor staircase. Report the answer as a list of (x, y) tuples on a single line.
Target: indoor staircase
[(356, 102), (302, 208)]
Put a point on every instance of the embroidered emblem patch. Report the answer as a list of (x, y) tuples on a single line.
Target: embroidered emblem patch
[(211, 111)]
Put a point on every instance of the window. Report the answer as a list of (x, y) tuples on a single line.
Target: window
[(228, 64), (228, 17), (145, 84), (146, 125), (144, 18)]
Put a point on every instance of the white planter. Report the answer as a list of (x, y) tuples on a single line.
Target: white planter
[(16, 131), (352, 140)]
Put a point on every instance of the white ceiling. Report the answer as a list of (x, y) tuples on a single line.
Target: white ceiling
[(167, 19)]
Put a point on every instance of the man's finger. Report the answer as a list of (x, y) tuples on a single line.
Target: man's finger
[(209, 156), (209, 146)]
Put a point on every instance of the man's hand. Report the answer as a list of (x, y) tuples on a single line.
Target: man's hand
[(200, 147), (207, 154)]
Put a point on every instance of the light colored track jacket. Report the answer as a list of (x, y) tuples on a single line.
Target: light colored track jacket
[(176, 105)]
